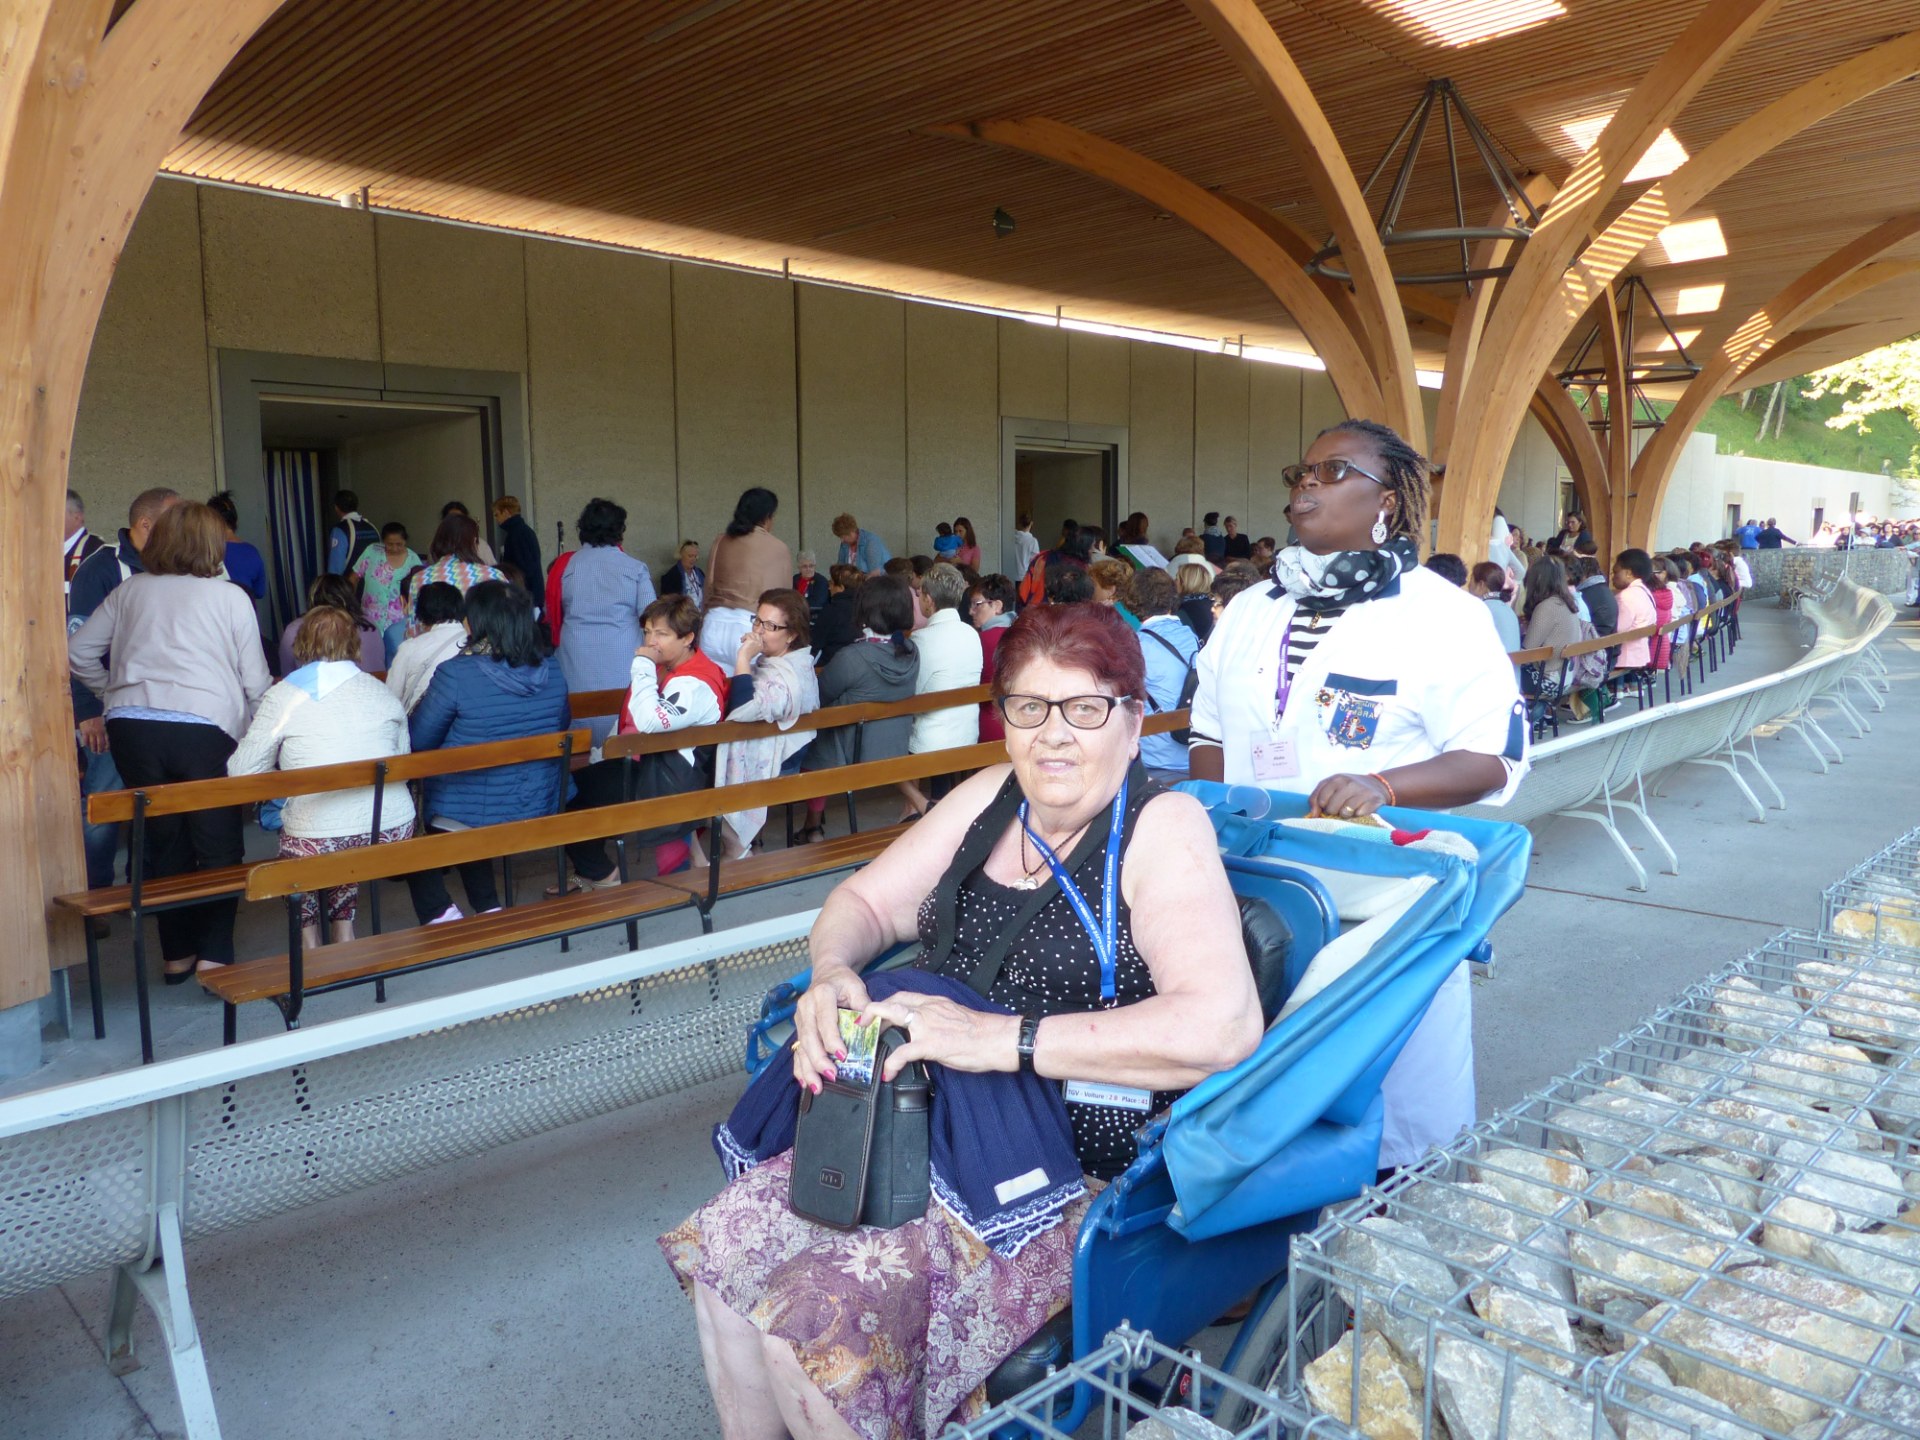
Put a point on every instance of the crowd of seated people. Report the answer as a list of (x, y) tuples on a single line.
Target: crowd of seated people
[(468, 656)]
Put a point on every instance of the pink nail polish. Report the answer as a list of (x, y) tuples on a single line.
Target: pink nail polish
[(839, 1054), (832, 1073)]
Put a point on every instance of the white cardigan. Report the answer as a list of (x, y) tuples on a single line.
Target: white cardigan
[(358, 719), (950, 659)]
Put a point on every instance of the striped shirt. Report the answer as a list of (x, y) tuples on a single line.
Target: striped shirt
[(1304, 634)]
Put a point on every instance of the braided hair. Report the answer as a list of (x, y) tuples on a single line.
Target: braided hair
[(1406, 476)]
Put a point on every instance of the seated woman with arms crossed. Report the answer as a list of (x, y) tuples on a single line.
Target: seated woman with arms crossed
[(1363, 679), (821, 1333)]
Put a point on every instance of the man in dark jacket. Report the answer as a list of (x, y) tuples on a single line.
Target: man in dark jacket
[(95, 578), (1771, 537), (519, 546)]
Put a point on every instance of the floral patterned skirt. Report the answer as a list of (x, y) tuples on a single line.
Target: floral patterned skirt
[(899, 1328)]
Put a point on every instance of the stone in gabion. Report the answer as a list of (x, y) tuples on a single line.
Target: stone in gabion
[(1620, 1324), (1619, 1120), (1393, 1256), (1889, 1259), (1795, 1226), (1623, 1254), (1539, 1321), (1894, 1404), (1751, 1335), (1390, 1402), (1535, 1181), (1675, 1193), (1823, 1073), (1861, 1191), (1469, 1226), (1755, 1123), (1876, 1010), (1468, 1380), (1747, 1016)]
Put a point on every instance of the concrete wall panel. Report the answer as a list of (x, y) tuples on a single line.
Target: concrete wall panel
[(1033, 371), (1273, 442), (1099, 378), (1160, 441), (853, 417), (255, 243), (1222, 396), (407, 475), (733, 397), (953, 426), (146, 413), (600, 384), (451, 296)]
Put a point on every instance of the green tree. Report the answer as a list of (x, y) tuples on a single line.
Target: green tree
[(1872, 384)]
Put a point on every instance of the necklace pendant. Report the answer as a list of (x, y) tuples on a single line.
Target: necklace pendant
[(1028, 882)]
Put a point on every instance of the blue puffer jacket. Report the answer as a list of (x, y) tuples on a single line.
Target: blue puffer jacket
[(476, 698)]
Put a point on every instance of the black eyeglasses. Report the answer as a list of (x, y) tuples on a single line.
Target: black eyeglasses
[(1326, 472), (760, 624), (1082, 712)]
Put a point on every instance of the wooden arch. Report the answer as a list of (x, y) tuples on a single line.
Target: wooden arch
[(1540, 302), (1221, 222), (1846, 273), (89, 106)]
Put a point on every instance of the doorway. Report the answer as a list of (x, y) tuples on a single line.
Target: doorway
[(1056, 472), (404, 460), (1057, 483)]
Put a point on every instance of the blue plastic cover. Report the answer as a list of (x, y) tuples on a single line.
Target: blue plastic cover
[(1227, 1144)]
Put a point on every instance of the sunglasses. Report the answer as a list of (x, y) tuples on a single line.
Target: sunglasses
[(1326, 472)]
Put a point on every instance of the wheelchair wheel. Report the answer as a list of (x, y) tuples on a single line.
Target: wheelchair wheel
[(1262, 1351)]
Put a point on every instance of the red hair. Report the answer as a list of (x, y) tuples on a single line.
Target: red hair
[(1082, 636)]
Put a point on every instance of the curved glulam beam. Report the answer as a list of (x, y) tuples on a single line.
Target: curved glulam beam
[(1672, 197), (1530, 318), (1786, 362), (1223, 223), (1243, 32), (1843, 275), (1619, 461), (86, 116)]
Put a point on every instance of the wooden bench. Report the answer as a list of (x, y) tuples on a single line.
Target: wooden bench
[(288, 979), (142, 896)]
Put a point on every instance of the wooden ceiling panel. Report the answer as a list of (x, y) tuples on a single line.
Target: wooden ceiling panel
[(788, 133)]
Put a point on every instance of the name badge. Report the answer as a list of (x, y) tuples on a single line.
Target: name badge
[(1116, 1097), (1274, 759)]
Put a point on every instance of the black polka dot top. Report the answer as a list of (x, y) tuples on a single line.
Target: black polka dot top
[(1053, 969)]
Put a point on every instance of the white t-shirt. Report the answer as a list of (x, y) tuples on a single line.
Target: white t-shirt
[(1396, 680)]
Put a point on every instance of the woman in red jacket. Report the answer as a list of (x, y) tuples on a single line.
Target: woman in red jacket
[(991, 605)]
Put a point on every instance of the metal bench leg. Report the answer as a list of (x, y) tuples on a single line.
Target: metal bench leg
[(140, 987), (1819, 755), (93, 982), (1605, 822), (1638, 809), (1716, 763), (230, 1024), (163, 1286), (1752, 756)]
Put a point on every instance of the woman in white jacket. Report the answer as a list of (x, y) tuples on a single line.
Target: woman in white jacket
[(950, 659), (326, 712)]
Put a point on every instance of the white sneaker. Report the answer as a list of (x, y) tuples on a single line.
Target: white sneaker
[(493, 910), (452, 912)]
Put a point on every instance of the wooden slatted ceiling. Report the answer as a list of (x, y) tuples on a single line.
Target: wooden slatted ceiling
[(785, 131)]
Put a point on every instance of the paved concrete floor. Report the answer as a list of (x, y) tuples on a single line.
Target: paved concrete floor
[(519, 1293)]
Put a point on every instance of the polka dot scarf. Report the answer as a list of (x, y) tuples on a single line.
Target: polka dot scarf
[(1346, 577)]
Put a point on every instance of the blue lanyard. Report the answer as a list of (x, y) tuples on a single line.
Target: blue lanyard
[(1103, 934)]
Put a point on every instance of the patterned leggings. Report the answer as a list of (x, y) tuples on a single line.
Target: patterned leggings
[(339, 902)]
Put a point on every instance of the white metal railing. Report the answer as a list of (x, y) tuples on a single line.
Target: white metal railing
[(1607, 770), (120, 1171)]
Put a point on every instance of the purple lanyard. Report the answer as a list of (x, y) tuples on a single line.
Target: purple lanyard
[(1285, 687)]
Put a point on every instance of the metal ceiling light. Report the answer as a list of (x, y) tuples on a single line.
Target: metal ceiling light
[(1002, 224), (1585, 376), (1442, 96)]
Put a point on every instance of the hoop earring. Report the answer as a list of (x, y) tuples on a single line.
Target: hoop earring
[(1379, 531)]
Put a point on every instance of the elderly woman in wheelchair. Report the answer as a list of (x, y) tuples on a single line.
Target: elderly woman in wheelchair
[(1081, 964)]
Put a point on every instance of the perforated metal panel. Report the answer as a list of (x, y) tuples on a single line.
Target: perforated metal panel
[(73, 1200), (287, 1138)]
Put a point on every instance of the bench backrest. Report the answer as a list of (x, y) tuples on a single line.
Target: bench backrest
[(278, 878), (622, 746), (188, 795)]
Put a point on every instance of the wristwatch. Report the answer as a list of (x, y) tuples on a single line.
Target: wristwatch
[(1029, 1032)]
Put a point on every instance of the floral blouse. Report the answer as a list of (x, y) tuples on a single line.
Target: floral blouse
[(381, 595)]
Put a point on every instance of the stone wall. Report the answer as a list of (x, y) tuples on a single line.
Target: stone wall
[(1882, 570)]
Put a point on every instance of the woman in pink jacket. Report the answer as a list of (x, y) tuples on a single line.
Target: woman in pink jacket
[(1632, 572)]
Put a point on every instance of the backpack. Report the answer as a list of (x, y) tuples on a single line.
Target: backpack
[(1187, 686), (361, 537), (1588, 671)]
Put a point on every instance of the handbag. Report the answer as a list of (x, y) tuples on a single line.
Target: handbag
[(860, 1151)]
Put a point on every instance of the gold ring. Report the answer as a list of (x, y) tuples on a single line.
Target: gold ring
[(1347, 812)]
